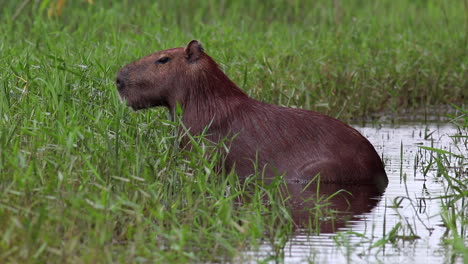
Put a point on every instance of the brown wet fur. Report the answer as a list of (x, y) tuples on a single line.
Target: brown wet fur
[(296, 142)]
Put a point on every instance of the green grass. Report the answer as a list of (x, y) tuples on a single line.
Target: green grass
[(454, 200), (85, 179), (340, 57)]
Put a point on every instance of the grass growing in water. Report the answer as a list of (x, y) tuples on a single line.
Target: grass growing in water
[(413, 221), (454, 202), (84, 178)]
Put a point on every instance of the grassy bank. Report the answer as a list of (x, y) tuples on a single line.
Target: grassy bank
[(83, 178), (339, 57)]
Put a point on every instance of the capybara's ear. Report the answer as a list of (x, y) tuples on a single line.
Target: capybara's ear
[(193, 50)]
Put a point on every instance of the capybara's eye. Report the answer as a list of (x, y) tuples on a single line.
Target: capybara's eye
[(163, 60)]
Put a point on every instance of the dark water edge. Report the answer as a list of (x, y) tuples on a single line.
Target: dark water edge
[(408, 201), (438, 114)]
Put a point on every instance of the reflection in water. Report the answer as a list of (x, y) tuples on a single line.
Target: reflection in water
[(371, 215), (347, 201)]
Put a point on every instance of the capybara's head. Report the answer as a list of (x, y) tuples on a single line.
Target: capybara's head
[(158, 79)]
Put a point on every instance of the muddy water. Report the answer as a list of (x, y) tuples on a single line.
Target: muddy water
[(375, 215)]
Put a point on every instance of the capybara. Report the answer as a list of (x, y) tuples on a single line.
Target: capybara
[(276, 140)]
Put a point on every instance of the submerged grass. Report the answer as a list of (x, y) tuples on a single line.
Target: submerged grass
[(84, 179)]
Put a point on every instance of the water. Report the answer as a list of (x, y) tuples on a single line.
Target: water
[(374, 215)]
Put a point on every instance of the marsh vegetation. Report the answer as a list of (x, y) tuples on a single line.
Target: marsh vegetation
[(83, 179)]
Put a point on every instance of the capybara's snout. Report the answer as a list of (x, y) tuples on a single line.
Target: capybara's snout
[(122, 79), (119, 83)]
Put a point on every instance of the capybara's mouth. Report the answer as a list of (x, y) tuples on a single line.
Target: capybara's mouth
[(124, 100), (134, 106)]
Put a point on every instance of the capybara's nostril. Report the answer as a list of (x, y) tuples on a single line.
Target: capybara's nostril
[(119, 83)]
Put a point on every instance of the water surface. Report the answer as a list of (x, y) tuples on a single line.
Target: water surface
[(375, 215)]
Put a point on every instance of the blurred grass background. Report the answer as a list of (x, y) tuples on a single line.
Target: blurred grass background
[(348, 57)]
